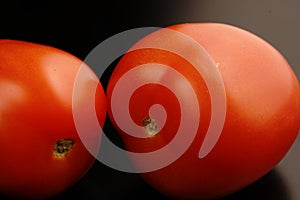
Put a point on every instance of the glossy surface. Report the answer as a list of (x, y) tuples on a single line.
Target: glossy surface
[(82, 26), (41, 154), (251, 143)]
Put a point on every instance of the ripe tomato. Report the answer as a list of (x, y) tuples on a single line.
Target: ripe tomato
[(41, 153), (262, 99)]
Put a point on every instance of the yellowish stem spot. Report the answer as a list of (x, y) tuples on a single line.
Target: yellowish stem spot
[(63, 147), (150, 126)]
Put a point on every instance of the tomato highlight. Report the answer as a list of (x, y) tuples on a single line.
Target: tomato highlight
[(262, 117), (41, 152)]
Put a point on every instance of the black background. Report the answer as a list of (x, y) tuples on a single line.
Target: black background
[(77, 27)]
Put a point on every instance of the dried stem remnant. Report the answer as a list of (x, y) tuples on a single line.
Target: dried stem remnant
[(63, 147)]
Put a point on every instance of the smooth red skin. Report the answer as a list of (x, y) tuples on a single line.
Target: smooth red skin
[(262, 118), (36, 84)]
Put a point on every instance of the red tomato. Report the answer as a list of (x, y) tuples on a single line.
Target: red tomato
[(41, 153), (262, 109)]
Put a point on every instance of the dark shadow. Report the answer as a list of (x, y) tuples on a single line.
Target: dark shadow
[(270, 186), (102, 182)]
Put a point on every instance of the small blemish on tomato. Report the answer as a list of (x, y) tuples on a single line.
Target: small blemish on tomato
[(63, 147), (150, 126)]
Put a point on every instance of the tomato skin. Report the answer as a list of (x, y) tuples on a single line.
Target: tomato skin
[(36, 88), (262, 117)]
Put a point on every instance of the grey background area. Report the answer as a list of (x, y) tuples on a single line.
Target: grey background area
[(78, 26)]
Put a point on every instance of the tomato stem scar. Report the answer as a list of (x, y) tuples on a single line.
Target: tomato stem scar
[(63, 147), (150, 126)]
